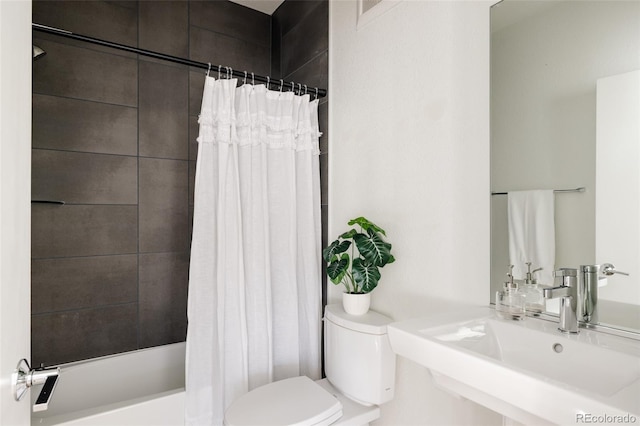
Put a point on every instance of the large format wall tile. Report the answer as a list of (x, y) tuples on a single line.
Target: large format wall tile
[(91, 297), (194, 131), (196, 87), (81, 73), (164, 197), (291, 13), (192, 181), (100, 19), (64, 231), (81, 178), (83, 282), (164, 280), (164, 27), (164, 114), (313, 74), (74, 335), (77, 125), (235, 21), (207, 46), (306, 40), (324, 179)]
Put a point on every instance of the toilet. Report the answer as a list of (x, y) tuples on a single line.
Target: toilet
[(360, 370)]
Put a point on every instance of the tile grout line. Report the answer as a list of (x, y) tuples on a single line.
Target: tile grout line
[(84, 308), (138, 186)]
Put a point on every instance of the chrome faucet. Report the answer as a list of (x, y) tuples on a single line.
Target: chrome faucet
[(567, 291), (588, 289)]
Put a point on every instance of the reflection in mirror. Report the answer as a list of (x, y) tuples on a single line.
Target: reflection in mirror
[(558, 114)]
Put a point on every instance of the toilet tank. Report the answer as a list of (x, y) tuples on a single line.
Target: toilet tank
[(359, 361)]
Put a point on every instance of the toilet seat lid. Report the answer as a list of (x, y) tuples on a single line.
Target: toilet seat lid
[(295, 401)]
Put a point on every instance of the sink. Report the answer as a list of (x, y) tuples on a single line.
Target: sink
[(526, 370)]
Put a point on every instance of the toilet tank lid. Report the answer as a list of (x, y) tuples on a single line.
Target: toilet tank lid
[(371, 322)]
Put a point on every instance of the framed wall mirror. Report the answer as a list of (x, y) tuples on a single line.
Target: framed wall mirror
[(551, 62)]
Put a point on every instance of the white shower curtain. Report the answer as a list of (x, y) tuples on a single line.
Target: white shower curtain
[(255, 275)]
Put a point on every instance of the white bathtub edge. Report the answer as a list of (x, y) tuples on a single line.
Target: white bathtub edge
[(122, 412)]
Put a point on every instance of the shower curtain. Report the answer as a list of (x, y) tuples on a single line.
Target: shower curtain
[(254, 305)]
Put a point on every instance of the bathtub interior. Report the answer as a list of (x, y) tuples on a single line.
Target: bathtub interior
[(114, 381)]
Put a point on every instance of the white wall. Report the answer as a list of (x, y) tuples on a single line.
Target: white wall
[(543, 121), (15, 216), (409, 131)]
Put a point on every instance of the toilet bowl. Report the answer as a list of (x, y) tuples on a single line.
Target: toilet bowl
[(360, 369)]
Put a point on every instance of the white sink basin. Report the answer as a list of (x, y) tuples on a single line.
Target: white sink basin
[(526, 370)]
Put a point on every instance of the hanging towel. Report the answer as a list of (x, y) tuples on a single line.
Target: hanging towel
[(532, 233)]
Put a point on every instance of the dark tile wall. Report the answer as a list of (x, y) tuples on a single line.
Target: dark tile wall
[(300, 53), (114, 137)]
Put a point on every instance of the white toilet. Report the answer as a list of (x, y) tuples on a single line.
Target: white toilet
[(360, 368)]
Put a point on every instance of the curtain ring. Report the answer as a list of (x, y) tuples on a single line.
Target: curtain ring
[(293, 87), (245, 78), (281, 84), (305, 89), (299, 89), (253, 81), (316, 93), (208, 69), (219, 67), (268, 81), (229, 72)]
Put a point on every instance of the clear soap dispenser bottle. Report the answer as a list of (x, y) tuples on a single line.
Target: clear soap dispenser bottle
[(510, 302), (534, 302)]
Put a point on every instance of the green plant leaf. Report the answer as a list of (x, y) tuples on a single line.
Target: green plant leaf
[(349, 234), (366, 225), (334, 249), (373, 248), (365, 274), (337, 269)]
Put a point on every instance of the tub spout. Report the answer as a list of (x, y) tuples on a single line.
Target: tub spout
[(24, 377), (555, 292), (50, 376)]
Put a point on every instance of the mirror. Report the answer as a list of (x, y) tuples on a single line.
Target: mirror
[(547, 60)]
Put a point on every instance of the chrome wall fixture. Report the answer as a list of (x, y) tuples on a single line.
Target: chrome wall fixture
[(555, 191), (25, 377)]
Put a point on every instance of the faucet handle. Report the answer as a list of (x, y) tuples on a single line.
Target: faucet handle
[(569, 276), (608, 269), (565, 272)]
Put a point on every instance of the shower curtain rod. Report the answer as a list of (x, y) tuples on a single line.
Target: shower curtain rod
[(555, 191), (226, 70)]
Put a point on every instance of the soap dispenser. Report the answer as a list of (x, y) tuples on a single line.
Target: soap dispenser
[(510, 302), (534, 302)]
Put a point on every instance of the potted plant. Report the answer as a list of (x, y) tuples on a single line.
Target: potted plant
[(360, 271)]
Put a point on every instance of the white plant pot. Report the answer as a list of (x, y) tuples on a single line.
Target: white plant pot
[(356, 304)]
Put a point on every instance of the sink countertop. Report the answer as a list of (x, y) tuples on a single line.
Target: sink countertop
[(526, 370)]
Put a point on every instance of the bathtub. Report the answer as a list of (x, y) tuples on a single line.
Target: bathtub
[(144, 387)]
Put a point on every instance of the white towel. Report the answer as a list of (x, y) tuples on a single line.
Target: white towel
[(532, 233)]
